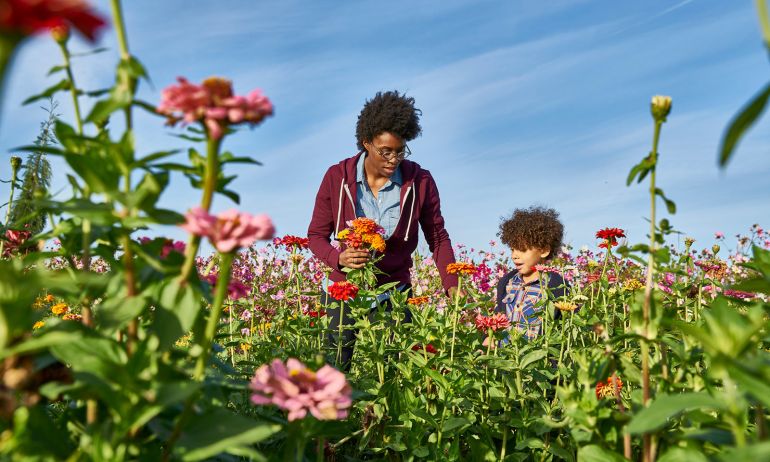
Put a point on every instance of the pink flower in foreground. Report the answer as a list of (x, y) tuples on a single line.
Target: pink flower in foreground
[(213, 104), (326, 394), (229, 230)]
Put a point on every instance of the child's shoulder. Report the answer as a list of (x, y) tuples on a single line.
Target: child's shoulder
[(503, 281)]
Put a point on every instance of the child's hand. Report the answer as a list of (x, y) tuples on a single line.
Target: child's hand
[(486, 341), (454, 293)]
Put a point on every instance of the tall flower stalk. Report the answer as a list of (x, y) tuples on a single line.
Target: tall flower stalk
[(660, 108)]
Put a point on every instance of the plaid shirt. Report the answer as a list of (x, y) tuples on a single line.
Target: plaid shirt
[(521, 305)]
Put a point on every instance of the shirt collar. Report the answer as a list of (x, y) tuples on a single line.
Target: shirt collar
[(361, 175), (519, 280)]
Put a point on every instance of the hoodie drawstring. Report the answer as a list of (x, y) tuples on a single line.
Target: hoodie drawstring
[(339, 211), (411, 211), (352, 203)]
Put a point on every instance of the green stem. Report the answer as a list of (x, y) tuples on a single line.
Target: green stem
[(226, 261), (339, 333), (454, 318), (209, 185), (648, 290), (73, 88)]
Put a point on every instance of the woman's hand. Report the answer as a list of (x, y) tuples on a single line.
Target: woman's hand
[(353, 258)]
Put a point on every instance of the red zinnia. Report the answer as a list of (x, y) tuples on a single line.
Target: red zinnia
[(429, 348), (343, 290), (610, 236), (27, 17), (289, 241)]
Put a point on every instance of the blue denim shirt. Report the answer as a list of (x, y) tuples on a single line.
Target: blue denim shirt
[(386, 207)]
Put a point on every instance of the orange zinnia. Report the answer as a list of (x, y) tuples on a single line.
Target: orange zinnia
[(59, 308), (461, 268), (364, 225), (417, 301)]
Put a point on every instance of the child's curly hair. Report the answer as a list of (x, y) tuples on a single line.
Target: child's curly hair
[(532, 228)]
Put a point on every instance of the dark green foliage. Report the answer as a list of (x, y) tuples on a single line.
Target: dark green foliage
[(37, 178)]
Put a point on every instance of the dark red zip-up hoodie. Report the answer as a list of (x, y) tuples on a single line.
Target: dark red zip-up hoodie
[(335, 205)]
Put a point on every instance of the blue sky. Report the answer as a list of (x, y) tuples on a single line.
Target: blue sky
[(523, 102)]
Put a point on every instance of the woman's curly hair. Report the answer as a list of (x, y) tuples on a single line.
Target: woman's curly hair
[(532, 228), (388, 112)]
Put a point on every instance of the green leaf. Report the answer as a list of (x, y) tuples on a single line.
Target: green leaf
[(218, 431), (32, 426), (102, 357), (594, 453), (742, 122), (229, 158), (146, 160), (116, 312), (760, 451), (677, 454), (62, 85), (455, 422), (117, 100), (531, 357), (56, 69), (666, 407), (178, 307), (670, 205), (755, 384)]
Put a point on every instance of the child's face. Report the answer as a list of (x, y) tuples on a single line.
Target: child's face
[(524, 260)]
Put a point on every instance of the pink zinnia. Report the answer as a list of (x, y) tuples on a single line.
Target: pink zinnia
[(495, 322), (213, 104), (229, 230), (326, 394)]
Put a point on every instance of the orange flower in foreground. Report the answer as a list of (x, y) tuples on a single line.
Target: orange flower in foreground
[(461, 268), (49, 298), (59, 309), (365, 225), (417, 301)]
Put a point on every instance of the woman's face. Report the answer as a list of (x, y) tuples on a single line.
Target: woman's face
[(385, 152)]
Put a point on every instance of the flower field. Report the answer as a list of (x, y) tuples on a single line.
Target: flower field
[(116, 346)]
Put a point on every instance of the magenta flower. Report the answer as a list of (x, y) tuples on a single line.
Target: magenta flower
[(326, 394), (229, 230)]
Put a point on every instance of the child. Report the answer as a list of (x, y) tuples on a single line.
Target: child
[(534, 236)]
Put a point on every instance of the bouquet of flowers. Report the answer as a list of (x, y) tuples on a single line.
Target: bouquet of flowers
[(364, 233)]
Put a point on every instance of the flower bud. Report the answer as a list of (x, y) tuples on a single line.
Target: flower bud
[(60, 33), (15, 162), (660, 107), (688, 241), (715, 248)]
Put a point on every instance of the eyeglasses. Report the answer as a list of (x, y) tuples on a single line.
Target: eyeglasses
[(389, 154)]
